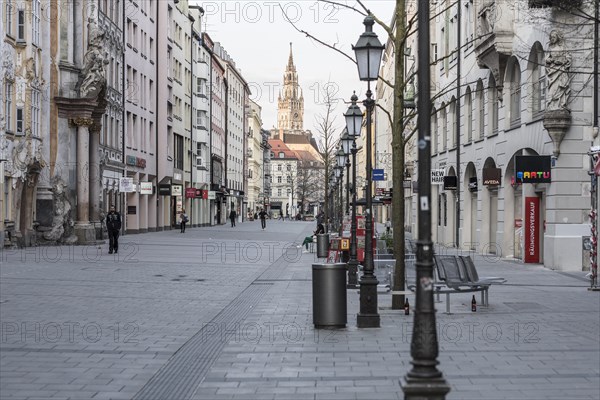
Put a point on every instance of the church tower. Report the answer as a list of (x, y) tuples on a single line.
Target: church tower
[(290, 104)]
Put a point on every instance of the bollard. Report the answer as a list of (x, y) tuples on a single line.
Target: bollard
[(322, 245)]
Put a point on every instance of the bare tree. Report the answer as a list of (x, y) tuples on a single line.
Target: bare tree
[(327, 144)]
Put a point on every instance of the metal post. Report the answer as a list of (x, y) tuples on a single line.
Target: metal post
[(353, 263), (347, 185), (424, 381), (368, 316)]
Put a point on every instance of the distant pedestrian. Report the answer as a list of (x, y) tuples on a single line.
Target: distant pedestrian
[(232, 217), (113, 226), (388, 226), (263, 218), (183, 219)]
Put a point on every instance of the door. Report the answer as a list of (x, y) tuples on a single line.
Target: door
[(493, 243), (474, 240)]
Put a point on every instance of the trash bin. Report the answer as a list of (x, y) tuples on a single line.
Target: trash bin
[(329, 295), (322, 245)]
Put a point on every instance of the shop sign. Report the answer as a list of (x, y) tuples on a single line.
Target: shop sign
[(533, 169), (212, 195), (190, 193), (491, 176), (146, 188), (450, 183), (473, 184), (130, 160), (126, 185), (164, 189), (531, 229), (437, 176), (176, 190)]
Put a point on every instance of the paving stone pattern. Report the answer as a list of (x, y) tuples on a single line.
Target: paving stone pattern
[(79, 324)]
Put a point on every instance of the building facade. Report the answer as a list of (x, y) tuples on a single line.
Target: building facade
[(255, 160), (284, 180), (524, 101)]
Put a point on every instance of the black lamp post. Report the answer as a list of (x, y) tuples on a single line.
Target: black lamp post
[(346, 142), (341, 162), (424, 381), (368, 52), (354, 117), (338, 171)]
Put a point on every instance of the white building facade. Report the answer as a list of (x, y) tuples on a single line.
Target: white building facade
[(524, 103)]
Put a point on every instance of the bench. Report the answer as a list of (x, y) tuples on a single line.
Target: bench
[(453, 274)]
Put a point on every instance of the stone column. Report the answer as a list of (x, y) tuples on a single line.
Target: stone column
[(83, 229), (95, 172)]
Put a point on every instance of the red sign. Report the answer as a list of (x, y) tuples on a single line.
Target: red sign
[(205, 195), (532, 230), (198, 193), (190, 193)]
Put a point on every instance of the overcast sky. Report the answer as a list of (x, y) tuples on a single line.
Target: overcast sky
[(257, 36)]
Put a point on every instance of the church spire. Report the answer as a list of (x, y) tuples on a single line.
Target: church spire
[(290, 65)]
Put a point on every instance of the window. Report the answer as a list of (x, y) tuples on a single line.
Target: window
[(515, 94), (434, 53), (538, 79), (481, 108), (469, 23), (279, 179), (469, 114), (452, 117), (35, 112), (281, 154), (279, 167), (444, 127), (21, 25), (289, 167), (8, 12), (35, 22), (434, 130), (20, 121), (493, 101), (178, 151), (279, 192), (8, 88)]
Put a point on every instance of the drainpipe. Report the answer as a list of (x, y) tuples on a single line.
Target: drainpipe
[(156, 102), (457, 117)]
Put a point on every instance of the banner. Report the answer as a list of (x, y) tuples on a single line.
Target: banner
[(531, 228)]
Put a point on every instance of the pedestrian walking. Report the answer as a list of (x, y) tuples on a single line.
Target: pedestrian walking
[(388, 226), (263, 218), (183, 219), (113, 226), (232, 217)]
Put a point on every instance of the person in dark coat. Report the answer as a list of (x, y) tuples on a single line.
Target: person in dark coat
[(113, 226), (232, 217), (263, 218)]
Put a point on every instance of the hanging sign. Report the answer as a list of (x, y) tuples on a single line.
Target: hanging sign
[(126, 185), (533, 169), (176, 190), (491, 176), (450, 183), (437, 176), (146, 188)]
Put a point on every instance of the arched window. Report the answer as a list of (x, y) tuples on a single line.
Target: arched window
[(493, 102), (468, 114), (538, 79), (444, 127), (481, 108), (434, 131), (452, 117), (515, 92)]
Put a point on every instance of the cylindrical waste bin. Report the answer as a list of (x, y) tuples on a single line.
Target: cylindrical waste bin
[(329, 295), (322, 245)]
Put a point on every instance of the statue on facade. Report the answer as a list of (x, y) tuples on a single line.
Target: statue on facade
[(62, 222), (92, 76), (558, 65)]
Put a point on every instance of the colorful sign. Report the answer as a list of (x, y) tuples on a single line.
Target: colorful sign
[(532, 230), (190, 193), (533, 169)]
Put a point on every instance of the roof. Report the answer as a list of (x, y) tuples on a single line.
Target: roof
[(278, 146)]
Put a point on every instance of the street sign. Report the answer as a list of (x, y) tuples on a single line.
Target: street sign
[(378, 175)]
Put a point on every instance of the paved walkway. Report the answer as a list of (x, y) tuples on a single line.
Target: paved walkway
[(226, 313)]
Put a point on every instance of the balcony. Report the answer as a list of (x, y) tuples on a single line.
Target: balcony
[(495, 37)]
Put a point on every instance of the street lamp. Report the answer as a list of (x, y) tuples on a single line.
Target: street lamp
[(424, 380), (346, 142), (354, 117), (341, 162), (368, 52), (339, 174)]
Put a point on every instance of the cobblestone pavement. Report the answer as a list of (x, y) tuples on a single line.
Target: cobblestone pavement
[(226, 313)]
